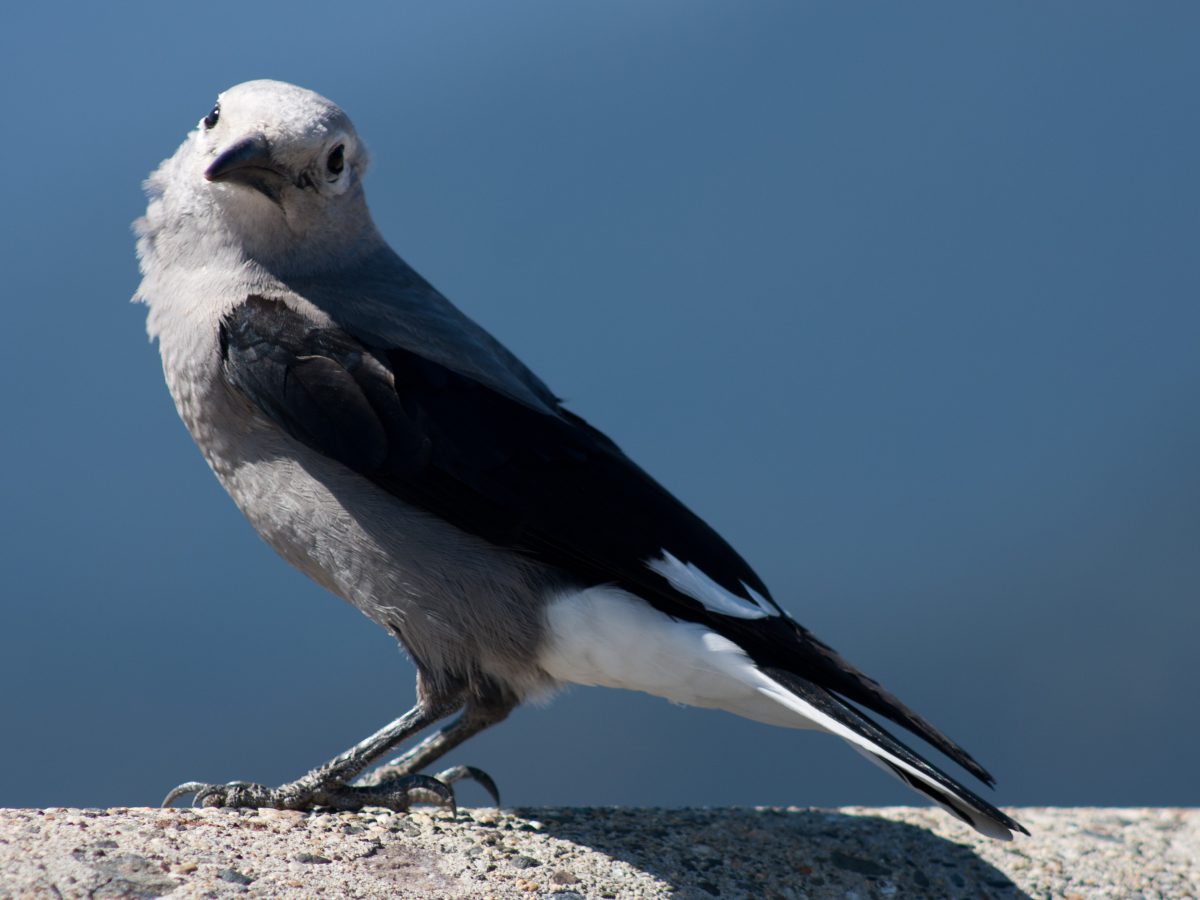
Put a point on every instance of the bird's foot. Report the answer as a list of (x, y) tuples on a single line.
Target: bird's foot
[(396, 773), (309, 793)]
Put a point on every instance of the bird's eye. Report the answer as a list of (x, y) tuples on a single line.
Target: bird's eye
[(211, 119), (337, 160)]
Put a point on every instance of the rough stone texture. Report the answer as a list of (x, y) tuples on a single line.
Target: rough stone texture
[(568, 854)]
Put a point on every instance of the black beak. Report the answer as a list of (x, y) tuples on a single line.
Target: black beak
[(249, 162)]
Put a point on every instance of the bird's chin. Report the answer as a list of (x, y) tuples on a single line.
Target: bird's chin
[(267, 182)]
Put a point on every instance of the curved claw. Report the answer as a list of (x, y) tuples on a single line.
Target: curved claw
[(231, 794), (480, 777), (188, 787)]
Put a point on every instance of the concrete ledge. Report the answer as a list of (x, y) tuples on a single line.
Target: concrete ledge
[(568, 854)]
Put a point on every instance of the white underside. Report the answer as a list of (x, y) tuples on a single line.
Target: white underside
[(608, 637)]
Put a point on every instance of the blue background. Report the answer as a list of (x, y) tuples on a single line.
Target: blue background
[(904, 298)]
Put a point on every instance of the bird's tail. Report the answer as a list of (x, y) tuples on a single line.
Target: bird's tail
[(837, 717)]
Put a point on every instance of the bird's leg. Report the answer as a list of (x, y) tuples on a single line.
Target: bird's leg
[(478, 715), (329, 785)]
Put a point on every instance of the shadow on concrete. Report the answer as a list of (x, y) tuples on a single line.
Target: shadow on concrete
[(781, 854)]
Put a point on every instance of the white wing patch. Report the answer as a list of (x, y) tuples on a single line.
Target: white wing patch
[(760, 600), (687, 578)]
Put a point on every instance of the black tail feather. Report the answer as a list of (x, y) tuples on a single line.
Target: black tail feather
[(944, 790), (827, 668)]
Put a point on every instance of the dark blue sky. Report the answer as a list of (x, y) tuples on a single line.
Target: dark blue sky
[(904, 299)]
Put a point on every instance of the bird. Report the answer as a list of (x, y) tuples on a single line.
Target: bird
[(390, 448)]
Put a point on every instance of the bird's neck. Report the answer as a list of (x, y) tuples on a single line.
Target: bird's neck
[(197, 261)]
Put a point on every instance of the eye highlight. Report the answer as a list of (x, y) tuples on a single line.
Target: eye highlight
[(211, 119), (337, 160)]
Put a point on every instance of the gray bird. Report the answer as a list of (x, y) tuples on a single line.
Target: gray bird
[(395, 452)]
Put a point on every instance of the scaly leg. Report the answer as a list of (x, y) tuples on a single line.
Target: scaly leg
[(475, 718)]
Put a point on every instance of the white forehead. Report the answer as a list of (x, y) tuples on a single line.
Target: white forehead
[(281, 109)]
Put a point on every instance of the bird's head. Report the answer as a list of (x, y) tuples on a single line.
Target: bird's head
[(278, 169), (286, 144)]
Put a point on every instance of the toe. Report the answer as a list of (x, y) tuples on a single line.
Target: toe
[(400, 793)]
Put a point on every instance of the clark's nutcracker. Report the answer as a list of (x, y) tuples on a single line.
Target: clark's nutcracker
[(394, 451)]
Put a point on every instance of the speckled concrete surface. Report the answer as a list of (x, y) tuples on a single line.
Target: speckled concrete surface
[(568, 854)]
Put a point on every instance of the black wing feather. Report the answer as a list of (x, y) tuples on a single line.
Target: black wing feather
[(545, 484), (304, 380)]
